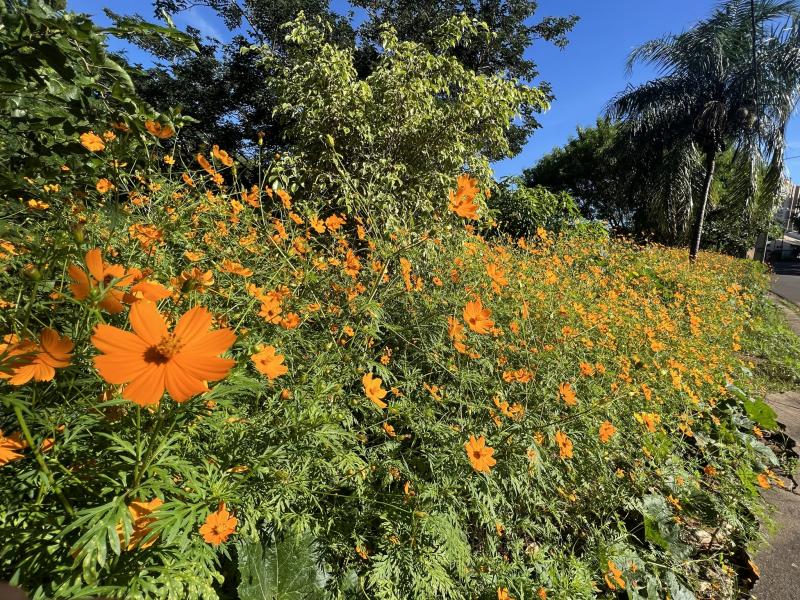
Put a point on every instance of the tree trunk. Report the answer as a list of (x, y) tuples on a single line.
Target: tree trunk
[(697, 230)]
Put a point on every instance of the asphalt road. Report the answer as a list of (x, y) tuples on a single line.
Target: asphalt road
[(786, 280)]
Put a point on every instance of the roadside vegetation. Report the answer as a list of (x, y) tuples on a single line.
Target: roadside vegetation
[(359, 368)]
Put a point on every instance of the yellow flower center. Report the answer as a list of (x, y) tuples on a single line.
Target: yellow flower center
[(161, 353)]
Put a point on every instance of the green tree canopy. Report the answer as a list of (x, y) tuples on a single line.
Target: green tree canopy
[(608, 183), (217, 86), (397, 138), (595, 171)]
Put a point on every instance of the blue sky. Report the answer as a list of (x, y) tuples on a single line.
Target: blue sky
[(585, 75)]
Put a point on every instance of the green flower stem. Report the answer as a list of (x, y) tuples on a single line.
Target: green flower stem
[(40, 459)]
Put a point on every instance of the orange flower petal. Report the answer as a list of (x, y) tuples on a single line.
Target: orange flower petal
[(148, 323), (94, 262), (147, 388), (80, 289), (112, 304), (22, 375), (210, 368), (210, 342), (194, 323), (120, 368), (109, 339), (180, 385)]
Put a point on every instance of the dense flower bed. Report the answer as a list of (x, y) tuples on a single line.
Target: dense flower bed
[(195, 368)]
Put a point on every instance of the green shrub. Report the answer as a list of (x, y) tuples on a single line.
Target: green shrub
[(520, 210), (598, 379), (58, 80), (391, 144)]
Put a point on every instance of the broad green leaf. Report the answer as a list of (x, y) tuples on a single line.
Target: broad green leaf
[(762, 413), (285, 570)]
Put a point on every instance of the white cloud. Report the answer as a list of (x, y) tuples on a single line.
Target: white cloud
[(194, 18)]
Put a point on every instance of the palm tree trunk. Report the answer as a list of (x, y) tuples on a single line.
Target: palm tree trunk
[(697, 230)]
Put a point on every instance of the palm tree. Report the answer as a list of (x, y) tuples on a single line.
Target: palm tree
[(719, 86)]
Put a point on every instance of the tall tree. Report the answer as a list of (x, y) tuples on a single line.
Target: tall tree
[(715, 90), (511, 31), (595, 171), (235, 108)]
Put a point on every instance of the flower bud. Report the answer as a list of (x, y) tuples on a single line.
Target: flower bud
[(32, 273)]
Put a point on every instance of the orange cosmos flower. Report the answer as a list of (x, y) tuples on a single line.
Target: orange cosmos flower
[(162, 132), (389, 430), (104, 185), (462, 200), (290, 321), (514, 411), (150, 359), (564, 444), (587, 369), (614, 578), (147, 235), (567, 394), (286, 199), (221, 156), (92, 142), (373, 390), (607, 431), (203, 161), (103, 279), (194, 256), (141, 520), (219, 526), (317, 224), (502, 594), (352, 264), (455, 329), (334, 222), (649, 420), (9, 447), (194, 279), (39, 362), (268, 363), (477, 317), (405, 268), (253, 197), (480, 455), (144, 289), (230, 266), (496, 274), (38, 204), (270, 310)]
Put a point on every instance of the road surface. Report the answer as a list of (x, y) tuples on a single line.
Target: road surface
[(786, 280)]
